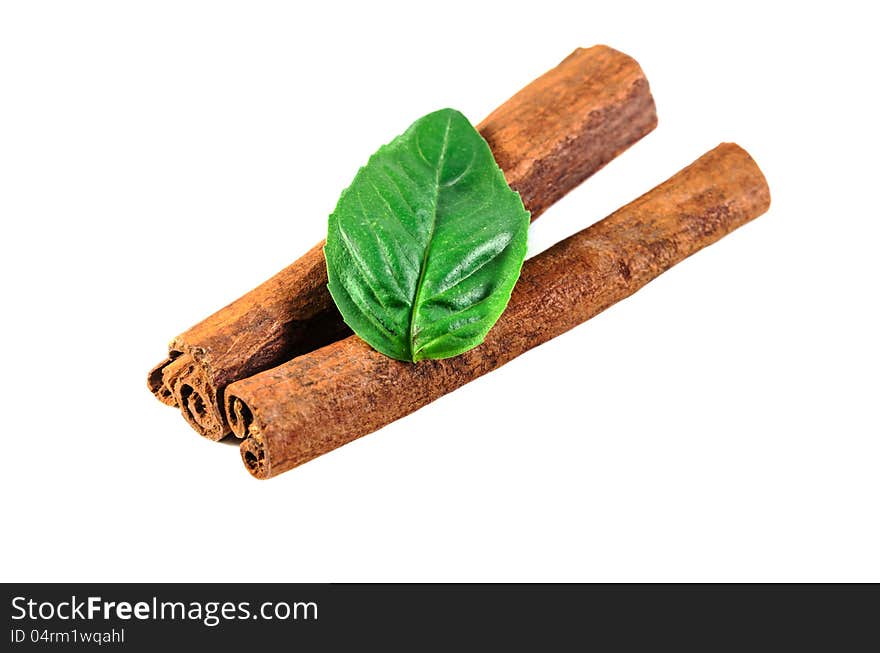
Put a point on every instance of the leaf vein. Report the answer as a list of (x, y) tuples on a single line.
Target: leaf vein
[(392, 212), (366, 275), (460, 176), (472, 272), (380, 242), (420, 284)]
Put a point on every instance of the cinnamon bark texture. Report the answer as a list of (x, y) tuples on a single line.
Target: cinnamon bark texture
[(322, 400), (547, 139)]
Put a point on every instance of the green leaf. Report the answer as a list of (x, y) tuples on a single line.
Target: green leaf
[(426, 244)]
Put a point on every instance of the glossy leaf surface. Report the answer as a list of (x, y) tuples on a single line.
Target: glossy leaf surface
[(426, 244)]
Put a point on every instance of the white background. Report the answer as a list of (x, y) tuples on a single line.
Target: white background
[(159, 159)]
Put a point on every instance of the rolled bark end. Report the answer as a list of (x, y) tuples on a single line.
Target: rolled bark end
[(239, 416), (189, 383), (156, 384), (200, 412), (255, 458), (253, 450)]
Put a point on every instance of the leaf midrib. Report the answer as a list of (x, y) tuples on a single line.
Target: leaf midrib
[(441, 160)]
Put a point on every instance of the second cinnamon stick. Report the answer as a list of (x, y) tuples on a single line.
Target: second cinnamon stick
[(322, 400)]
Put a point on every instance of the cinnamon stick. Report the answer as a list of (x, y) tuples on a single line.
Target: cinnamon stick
[(322, 400), (548, 138)]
